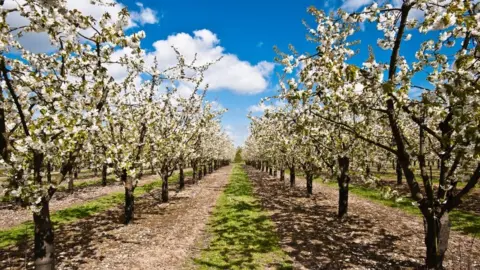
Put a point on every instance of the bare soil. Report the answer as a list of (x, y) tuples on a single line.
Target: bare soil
[(11, 215), (373, 236), (161, 237)]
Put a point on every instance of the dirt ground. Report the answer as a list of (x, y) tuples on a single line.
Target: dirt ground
[(11, 215), (372, 237), (161, 236)]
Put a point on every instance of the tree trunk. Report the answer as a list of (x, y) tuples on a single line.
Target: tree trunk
[(129, 198), (282, 175), (49, 172), (437, 233), (270, 171), (44, 249), (104, 175), (204, 170), (343, 181), (165, 189), (181, 178), (75, 174), (194, 176), (309, 179), (70, 181), (398, 170), (292, 176)]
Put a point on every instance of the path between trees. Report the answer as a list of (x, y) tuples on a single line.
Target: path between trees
[(373, 236), (161, 236)]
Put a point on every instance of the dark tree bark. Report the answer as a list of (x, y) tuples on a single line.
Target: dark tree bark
[(104, 175), (194, 175), (309, 179), (70, 181), (181, 178), (129, 197), (343, 181), (282, 175), (398, 170), (49, 172), (270, 171), (165, 189), (292, 176), (437, 233), (44, 248)]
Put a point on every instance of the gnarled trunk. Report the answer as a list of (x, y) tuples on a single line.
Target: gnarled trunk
[(437, 233), (104, 175), (181, 178), (194, 176), (292, 176), (343, 181), (165, 189), (129, 197), (44, 249), (309, 179), (398, 170), (49, 172), (70, 181)]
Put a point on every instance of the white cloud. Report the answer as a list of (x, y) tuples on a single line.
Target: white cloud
[(259, 108), (262, 107), (228, 73), (145, 15), (260, 44), (353, 5)]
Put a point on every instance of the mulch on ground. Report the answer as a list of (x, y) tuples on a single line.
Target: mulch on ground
[(161, 236), (373, 236)]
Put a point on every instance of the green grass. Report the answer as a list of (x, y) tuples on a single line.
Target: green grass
[(242, 235), (462, 221), (24, 231)]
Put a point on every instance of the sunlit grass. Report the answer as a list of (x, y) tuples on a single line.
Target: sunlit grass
[(242, 235)]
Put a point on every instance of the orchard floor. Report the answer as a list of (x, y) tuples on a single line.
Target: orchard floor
[(372, 237), (161, 237)]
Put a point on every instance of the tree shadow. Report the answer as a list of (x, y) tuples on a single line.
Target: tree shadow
[(313, 236), (71, 241)]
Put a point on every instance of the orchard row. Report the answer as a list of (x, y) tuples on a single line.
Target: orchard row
[(341, 108), (94, 100)]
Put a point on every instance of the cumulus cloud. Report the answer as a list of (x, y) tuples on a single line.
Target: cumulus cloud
[(145, 15), (228, 73)]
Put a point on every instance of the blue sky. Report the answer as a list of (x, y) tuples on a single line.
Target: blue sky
[(247, 29), (243, 33)]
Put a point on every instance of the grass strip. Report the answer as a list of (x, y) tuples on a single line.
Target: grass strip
[(242, 234), (462, 221), (24, 231)]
